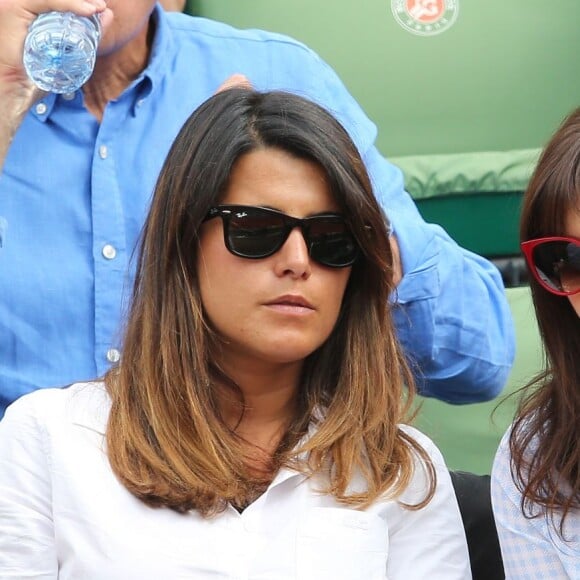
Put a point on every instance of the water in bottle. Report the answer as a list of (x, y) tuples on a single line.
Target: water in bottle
[(60, 50)]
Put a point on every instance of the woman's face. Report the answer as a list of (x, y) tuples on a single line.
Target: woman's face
[(573, 229), (278, 309)]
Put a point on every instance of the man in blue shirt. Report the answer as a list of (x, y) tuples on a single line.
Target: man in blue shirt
[(79, 171)]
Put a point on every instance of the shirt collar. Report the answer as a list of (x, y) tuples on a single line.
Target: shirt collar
[(43, 108), (162, 48)]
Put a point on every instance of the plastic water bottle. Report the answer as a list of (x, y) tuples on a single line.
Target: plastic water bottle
[(60, 50)]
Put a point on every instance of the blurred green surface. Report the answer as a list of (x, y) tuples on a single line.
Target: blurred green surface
[(485, 223), (476, 197), (502, 77), (435, 175), (468, 435)]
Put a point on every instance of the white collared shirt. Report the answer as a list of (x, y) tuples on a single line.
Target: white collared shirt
[(63, 514)]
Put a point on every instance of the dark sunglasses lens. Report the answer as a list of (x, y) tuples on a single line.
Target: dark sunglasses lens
[(331, 243), (558, 264), (255, 234)]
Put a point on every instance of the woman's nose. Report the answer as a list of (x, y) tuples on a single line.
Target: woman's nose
[(293, 259)]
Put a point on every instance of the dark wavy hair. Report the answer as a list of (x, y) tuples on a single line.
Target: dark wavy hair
[(545, 438), (167, 441)]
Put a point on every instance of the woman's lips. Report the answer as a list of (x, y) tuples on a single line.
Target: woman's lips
[(292, 304)]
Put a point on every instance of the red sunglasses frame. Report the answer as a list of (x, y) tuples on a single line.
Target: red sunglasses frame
[(528, 251)]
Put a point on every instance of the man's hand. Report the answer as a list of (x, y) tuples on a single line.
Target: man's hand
[(236, 80), (15, 18), (17, 92), (397, 264)]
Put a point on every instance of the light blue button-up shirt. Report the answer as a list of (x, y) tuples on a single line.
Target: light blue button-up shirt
[(74, 194), (530, 546)]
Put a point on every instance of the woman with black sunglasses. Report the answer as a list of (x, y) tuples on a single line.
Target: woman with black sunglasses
[(255, 424), (536, 473)]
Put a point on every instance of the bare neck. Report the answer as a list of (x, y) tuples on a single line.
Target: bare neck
[(269, 403)]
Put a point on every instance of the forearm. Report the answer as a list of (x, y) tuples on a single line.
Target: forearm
[(451, 312), (17, 93), (15, 100), (454, 321)]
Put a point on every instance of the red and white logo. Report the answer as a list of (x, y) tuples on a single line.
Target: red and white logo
[(425, 17)]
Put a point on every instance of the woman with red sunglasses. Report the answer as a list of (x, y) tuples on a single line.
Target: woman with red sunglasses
[(536, 473)]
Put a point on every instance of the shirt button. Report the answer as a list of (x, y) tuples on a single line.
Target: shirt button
[(140, 102), (68, 96), (113, 355), (103, 152), (109, 252), (41, 109)]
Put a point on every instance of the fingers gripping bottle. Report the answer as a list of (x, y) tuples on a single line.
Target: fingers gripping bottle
[(60, 50)]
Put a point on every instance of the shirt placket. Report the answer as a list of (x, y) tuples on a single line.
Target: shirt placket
[(109, 239)]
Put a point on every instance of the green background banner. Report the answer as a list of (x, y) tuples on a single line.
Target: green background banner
[(501, 78)]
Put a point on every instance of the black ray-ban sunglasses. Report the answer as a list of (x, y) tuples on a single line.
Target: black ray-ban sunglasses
[(258, 232), (555, 263)]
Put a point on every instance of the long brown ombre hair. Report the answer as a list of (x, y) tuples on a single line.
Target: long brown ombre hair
[(545, 438), (167, 441)]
